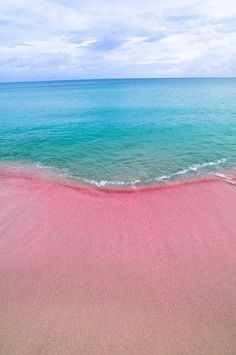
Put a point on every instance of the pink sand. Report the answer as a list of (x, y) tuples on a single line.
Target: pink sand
[(85, 271)]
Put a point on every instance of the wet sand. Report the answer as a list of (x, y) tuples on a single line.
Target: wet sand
[(88, 271)]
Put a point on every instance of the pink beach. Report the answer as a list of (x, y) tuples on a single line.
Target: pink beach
[(92, 271)]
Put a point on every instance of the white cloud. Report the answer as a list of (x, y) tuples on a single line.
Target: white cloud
[(49, 39)]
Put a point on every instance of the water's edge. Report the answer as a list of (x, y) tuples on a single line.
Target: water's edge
[(35, 172)]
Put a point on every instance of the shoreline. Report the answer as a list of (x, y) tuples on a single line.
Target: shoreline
[(48, 175), (104, 271)]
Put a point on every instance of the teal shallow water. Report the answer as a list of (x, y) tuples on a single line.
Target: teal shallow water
[(121, 132)]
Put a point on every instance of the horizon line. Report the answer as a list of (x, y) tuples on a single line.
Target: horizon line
[(121, 78)]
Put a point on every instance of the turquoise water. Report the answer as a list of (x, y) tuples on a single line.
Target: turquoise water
[(121, 132)]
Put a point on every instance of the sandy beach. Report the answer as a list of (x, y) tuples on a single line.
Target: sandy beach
[(92, 271)]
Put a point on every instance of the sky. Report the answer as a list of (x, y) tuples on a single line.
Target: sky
[(69, 39)]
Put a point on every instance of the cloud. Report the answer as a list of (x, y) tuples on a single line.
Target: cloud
[(49, 39)]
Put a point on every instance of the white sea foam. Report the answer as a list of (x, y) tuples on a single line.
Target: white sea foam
[(227, 178), (118, 183), (162, 178), (191, 168), (65, 173)]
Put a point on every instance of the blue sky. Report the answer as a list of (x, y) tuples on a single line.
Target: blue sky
[(69, 39)]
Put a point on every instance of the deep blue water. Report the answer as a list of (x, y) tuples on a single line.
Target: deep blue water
[(121, 131)]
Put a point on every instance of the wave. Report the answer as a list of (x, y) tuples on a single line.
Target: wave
[(162, 178), (192, 168), (61, 174), (231, 179)]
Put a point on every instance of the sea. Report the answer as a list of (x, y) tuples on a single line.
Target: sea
[(120, 132)]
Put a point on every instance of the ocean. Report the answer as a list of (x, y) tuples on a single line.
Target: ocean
[(122, 132)]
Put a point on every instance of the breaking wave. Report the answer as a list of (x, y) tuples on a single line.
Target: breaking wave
[(52, 172), (195, 168)]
